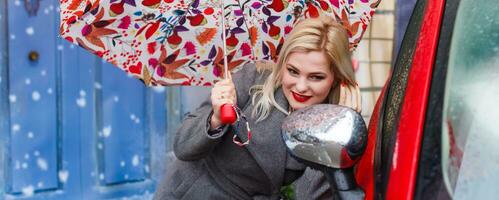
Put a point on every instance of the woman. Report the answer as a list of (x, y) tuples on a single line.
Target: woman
[(313, 67)]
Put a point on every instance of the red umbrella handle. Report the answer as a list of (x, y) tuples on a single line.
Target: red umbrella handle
[(227, 114)]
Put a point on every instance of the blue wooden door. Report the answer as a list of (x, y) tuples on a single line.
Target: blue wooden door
[(72, 126)]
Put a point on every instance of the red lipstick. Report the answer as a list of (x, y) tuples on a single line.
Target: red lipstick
[(300, 98)]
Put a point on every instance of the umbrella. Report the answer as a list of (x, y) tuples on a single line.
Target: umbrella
[(177, 42)]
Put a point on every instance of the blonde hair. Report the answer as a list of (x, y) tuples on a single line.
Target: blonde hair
[(313, 34)]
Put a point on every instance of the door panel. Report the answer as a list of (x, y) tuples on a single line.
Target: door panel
[(35, 158), (122, 127)]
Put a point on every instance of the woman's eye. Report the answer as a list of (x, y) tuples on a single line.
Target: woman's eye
[(316, 78), (292, 71)]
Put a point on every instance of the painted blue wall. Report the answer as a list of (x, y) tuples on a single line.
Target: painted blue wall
[(71, 125)]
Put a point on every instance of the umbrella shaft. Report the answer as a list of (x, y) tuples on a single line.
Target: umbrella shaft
[(226, 70)]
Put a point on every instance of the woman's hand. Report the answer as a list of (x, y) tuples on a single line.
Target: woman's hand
[(224, 92), (350, 97)]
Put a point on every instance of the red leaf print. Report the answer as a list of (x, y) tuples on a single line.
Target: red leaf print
[(151, 47), (125, 22), (152, 29)]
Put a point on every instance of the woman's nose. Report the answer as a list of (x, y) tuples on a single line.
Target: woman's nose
[(301, 85)]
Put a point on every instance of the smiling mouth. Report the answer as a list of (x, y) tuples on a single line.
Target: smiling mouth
[(300, 98)]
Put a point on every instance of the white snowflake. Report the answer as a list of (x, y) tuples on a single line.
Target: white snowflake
[(26, 156), (83, 93), (16, 128), (60, 47), (46, 11), (28, 190), (24, 165), (137, 120), (126, 176), (42, 164), (63, 176), (135, 160), (30, 31), (97, 85), (101, 176), (27, 81), (40, 184), (99, 146), (12, 36), (116, 98), (146, 168), (81, 102), (31, 135), (35, 96), (36, 153), (51, 7), (107, 131), (49, 90), (132, 117), (122, 163), (12, 98), (159, 89), (72, 46), (17, 165), (43, 72), (17, 2)]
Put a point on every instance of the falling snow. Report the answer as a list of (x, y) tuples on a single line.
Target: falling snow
[(97, 85), (122, 163), (126, 176), (46, 11), (42, 164), (12, 36), (63, 176), (36, 153), (16, 128), (26, 156), (106, 131), (35, 96), (146, 168), (27, 81), (60, 47), (24, 165), (17, 165), (31, 135), (99, 146), (30, 31), (135, 160), (12, 98), (116, 98), (40, 184), (81, 102), (17, 2), (49, 90), (28, 190), (101, 176), (159, 89), (132, 117), (43, 72), (83, 93)]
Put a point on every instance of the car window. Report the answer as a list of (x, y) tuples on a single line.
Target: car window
[(470, 135)]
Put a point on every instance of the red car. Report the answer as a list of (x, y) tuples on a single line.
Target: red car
[(433, 133)]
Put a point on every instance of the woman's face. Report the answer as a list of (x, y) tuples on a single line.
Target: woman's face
[(306, 79)]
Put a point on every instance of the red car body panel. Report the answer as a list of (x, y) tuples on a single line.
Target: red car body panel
[(404, 164), (403, 169)]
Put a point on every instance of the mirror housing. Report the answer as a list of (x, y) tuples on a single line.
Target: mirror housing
[(325, 134)]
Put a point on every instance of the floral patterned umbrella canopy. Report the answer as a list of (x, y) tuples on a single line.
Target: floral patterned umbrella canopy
[(179, 42)]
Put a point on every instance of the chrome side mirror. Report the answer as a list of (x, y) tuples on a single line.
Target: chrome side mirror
[(330, 138)]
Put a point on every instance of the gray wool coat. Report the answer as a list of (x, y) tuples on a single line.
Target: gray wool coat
[(213, 167)]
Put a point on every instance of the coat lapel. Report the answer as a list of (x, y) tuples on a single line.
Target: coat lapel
[(267, 145)]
